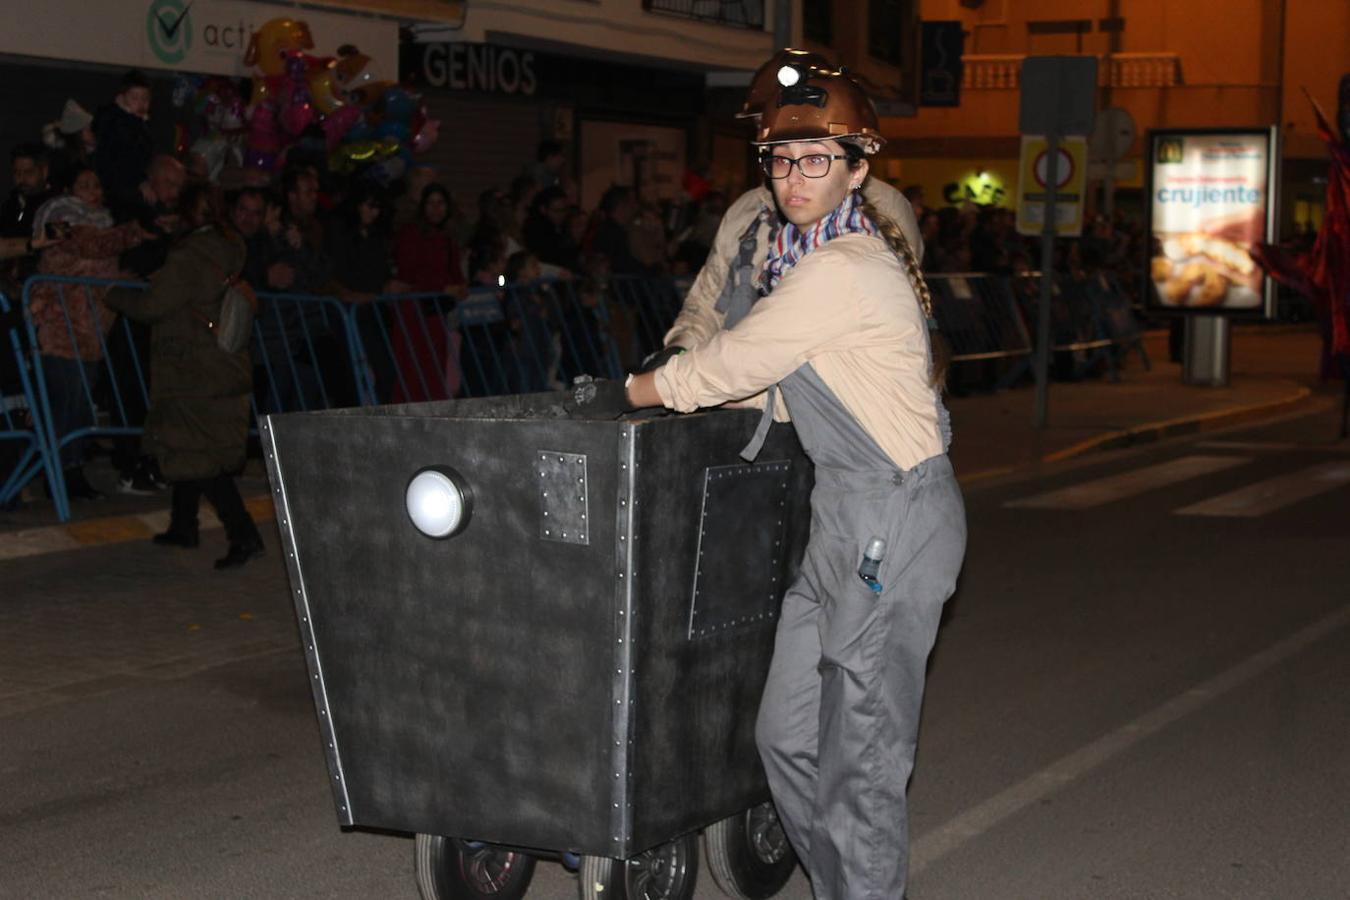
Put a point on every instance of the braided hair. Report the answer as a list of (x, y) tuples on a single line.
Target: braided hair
[(940, 351)]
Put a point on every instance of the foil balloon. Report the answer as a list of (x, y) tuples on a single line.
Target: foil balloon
[(357, 77), (337, 123), (323, 86), (270, 45), (358, 154), (297, 112), (264, 135), (184, 89), (426, 136), (265, 90)]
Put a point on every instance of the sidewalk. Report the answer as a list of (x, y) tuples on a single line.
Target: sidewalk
[(1272, 373)]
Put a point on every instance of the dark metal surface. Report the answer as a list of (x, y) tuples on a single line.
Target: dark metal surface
[(509, 686), (737, 575)]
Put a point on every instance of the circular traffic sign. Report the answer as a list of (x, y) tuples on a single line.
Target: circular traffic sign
[(1063, 171)]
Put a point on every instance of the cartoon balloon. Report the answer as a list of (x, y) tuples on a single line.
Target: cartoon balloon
[(323, 87), (357, 77), (270, 44)]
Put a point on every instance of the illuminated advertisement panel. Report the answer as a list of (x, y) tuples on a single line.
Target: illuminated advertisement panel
[(1211, 197)]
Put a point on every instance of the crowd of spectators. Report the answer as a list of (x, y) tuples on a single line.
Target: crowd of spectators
[(98, 198), (985, 240)]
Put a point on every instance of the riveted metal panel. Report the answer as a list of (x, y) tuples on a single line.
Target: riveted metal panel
[(563, 503)]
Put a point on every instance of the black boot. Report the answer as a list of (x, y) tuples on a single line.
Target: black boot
[(241, 552), (78, 487), (177, 537)]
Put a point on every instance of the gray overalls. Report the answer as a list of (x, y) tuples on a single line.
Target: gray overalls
[(839, 719)]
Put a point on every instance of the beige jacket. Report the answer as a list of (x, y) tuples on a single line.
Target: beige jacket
[(848, 308), (699, 319)]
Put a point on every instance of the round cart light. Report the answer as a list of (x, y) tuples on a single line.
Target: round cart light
[(789, 75), (439, 502)]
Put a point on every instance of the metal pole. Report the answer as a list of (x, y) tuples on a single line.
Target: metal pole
[(1048, 229)]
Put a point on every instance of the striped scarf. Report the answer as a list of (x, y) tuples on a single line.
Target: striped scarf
[(792, 243)]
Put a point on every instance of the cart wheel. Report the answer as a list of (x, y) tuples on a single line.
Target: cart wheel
[(451, 869), (667, 872), (748, 854)]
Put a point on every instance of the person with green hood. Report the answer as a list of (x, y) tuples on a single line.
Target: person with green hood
[(198, 421)]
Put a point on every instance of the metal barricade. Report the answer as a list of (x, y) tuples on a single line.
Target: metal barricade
[(89, 369), (516, 339), (992, 317), (91, 372), (24, 452), (304, 354)]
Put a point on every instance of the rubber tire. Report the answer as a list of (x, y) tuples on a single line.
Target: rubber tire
[(602, 878), (444, 864), (746, 861)]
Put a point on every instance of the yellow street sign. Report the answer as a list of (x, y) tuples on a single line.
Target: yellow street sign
[(1070, 185)]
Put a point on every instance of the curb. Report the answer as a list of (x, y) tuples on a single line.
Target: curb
[(1151, 432), (112, 530)]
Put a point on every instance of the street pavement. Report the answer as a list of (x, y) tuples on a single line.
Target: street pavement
[(1129, 698)]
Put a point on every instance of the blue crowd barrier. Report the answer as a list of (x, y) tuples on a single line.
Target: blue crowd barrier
[(516, 339), (24, 452), (315, 352), (302, 348)]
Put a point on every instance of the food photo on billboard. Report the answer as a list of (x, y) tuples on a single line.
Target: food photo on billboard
[(1211, 200)]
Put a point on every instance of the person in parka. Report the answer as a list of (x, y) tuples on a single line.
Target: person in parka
[(198, 421)]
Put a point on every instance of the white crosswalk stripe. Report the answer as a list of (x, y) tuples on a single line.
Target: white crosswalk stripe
[(1273, 493), (1128, 484)]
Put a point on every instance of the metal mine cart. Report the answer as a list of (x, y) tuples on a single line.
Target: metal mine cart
[(532, 635)]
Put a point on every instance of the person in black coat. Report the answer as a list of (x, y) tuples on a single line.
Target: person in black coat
[(122, 130), (546, 234)]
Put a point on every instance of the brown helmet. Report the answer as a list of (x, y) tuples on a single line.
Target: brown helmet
[(816, 106), (764, 86)]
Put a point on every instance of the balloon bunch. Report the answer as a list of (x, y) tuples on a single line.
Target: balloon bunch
[(218, 118), (341, 103)]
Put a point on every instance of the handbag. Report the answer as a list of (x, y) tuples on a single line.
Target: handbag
[(233, 326)]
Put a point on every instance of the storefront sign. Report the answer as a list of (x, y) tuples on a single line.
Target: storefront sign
[(202, 36), (1209, 202), (1070, 184), (514, 72), (485, 68)]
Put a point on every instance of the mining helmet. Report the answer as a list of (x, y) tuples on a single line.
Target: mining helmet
[(764, 84), (816, 105)]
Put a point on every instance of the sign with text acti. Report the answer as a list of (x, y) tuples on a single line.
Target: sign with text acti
[(1070, 185)]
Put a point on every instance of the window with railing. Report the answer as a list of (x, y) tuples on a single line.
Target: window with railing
[(736, 13), (817, 21)]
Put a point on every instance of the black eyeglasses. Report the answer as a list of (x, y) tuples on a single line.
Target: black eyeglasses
[(813, 165)]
